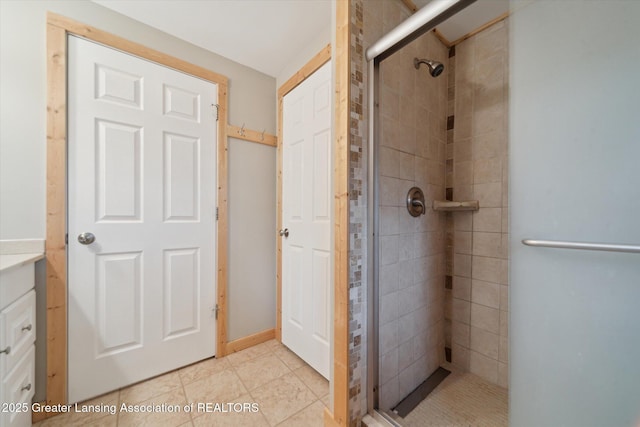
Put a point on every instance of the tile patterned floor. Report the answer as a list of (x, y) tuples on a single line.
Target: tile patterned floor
[(287, 391), (461, 400)]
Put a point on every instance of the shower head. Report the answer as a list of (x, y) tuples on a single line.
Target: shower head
[(435, 68)]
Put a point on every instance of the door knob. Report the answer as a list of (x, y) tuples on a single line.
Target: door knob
[(86, 238), (284, 232)]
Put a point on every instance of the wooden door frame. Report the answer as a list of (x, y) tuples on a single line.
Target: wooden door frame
[(338, 413), (58, 28), (301, 75)]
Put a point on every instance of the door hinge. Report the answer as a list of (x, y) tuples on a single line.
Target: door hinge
[(217, 110), (215, 310), (217, 214)]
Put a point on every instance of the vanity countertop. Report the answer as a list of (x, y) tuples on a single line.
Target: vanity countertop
[(8, 261), (16, 253)]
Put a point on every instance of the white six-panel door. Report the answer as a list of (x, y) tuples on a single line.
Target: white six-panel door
[(142, 179), (306, 213)]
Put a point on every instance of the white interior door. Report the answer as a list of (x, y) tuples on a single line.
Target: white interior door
[(142, 179), (306, 213)]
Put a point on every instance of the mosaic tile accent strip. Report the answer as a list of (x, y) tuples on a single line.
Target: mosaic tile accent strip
[(447, 354), (449, 193), (357, 221)]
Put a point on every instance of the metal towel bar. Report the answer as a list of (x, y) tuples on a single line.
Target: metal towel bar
[(608, 247)]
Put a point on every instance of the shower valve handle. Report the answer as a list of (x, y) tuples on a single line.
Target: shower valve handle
[(416, 202)]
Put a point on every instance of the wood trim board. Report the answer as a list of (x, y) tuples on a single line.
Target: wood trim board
[(252, 135), (340, 383), (90, 33), (55, 244), (250, 341), (309, 68), (413, 9), (223, 223), (410, 5), (441, 37), (479, 29), (58, 27)]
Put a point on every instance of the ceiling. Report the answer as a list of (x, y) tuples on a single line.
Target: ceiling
[(472, 17), (266, 35), (262, 34)]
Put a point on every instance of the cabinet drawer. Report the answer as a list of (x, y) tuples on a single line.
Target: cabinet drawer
[(18, 390), (17, 330), (15, 282)]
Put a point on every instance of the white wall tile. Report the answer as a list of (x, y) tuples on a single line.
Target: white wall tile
[(388, 308), (485, 318), (388, 366), (462, 242), (388, 220), (488, 220), (406, 247), (389, 188), (485, 293), (485, 342), (487, 170), (487, 269), (503, 374), (460, 333), (388, 250), (504, 323), (504, 298), (487, 244), (388, 337), (483, 366), (389, 162), (503, 350), (389, 394), (406, 165), (462, 265), (461, 311), (406, 273), (460, 356), (388, 279), (405, 355), (461, 288), (489, 195)]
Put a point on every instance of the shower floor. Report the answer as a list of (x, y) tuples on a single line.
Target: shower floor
[(462, 399)]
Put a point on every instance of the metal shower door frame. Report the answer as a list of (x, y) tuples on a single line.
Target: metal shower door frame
[(421, 22)]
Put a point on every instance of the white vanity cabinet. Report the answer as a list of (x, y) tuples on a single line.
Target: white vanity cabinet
[(17, 348)]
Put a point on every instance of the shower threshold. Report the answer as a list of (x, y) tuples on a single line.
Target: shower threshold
[(414, 398)]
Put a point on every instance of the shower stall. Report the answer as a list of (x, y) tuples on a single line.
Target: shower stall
[(411, 249), (437, 245), (438, 291)]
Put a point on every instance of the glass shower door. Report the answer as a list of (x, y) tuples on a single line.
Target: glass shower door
[(574, 176)]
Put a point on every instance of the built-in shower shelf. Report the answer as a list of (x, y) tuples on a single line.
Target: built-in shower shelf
[(445, 205)]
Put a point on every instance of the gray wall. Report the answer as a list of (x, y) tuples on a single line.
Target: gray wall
[(252, 228), (302, 57), (23, 108), (23, 146)]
